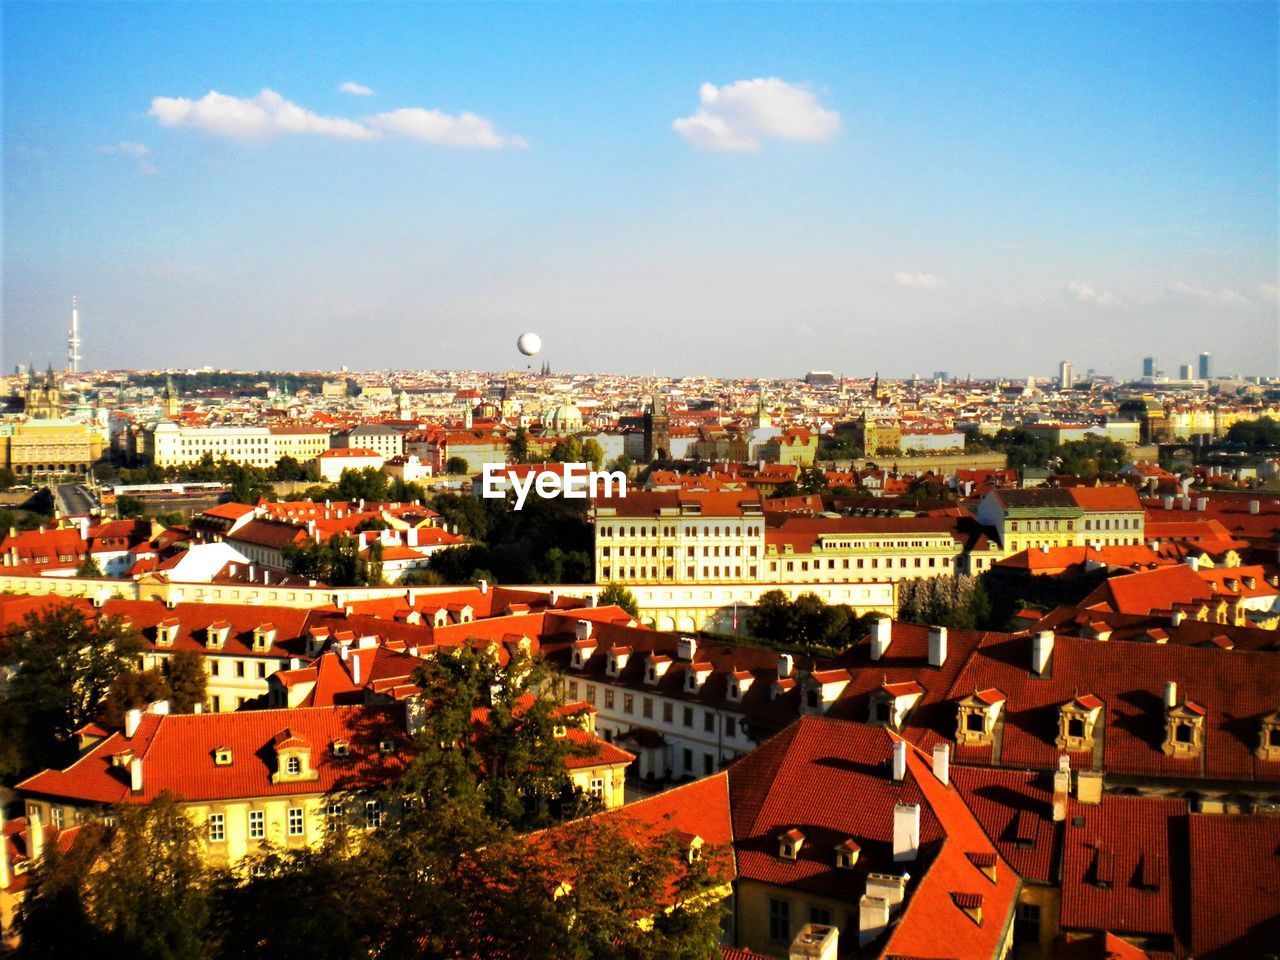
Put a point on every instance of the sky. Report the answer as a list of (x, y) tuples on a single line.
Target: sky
[(723, 189)]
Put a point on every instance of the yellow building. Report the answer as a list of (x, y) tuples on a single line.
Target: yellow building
[(1064, 517), (31, 447), (167, 444)]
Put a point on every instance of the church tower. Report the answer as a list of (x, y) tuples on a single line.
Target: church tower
[(762, 420), (170, 402), (657, 430), (43, 397)]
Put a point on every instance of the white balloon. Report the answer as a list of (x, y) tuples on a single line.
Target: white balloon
[(529, 344)]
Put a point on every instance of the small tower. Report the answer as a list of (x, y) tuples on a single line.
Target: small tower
[(171, 403), (73, 340), (762, 420), (657, 430)]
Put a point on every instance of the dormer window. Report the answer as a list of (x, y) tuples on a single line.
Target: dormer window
[(166, 633), (386, 746), (342, 748), (976, 717), (559, 731), (889, 705), (696, 677), (264, 635), (739, 684), (293, 757), (216, 634), (789, 844), (847, 852), (655, 668), (582, 651), (617, 662), (1269, 737), (222, 757), (694, 852), (1184, 729), (1076, 720)]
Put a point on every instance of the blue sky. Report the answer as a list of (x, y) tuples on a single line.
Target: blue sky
[(906, 187)]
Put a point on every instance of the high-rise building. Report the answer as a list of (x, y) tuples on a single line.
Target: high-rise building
[(1148, 366), (1066, 376), (1185, 372), (1206, 366)]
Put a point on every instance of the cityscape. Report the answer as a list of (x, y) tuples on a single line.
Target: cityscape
[(695, 481)]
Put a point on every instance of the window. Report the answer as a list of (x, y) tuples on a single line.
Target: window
[(688, 716), (820, 915), (628, 703), (708, 764), (591, 694), (668, 713), (1075, 727), (709, 722), (688, 760), (217, 827), (608, 699), (57, 817), (731, 727), (573, 689), (974, 723), (239, 668), (333, 810), (1185, 733), (293, 766), (779, 920), (1027, 927), (596, 787), (646, 708), (296, 822), (373, 813), (257, 824)]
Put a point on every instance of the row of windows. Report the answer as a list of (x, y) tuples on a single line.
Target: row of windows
[(861, 563), (688, 715), (295, 820), (236, 668), (780, 919), (690, 531), (691, 573)]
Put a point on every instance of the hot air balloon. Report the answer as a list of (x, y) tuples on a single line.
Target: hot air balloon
[(529, 344)]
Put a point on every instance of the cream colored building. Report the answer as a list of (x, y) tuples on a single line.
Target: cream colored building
[(30, 447), (168, 444)]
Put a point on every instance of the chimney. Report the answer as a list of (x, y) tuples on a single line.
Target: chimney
[(553, 597), (1041, 649), (1186, 503), (582, 630), (135, 775), (899, 759), (906, 831), (1170, 694), (873, 919), (35, 839), (686, 647), (253, 571), (132, 718), (1193, 562), (937, 646), (1168, 502), (355, 670), (159, 707), (1061, 788), (1202, 504), (786, 665), (484, 586), (942, 762), (1089, 786), (1177, 617), (1255, 507), (816, 941), (4, 856), (881, 637)]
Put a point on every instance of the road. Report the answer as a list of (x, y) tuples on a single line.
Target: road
[(73, 498)]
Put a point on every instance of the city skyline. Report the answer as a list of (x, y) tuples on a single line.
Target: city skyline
[(895, 188)]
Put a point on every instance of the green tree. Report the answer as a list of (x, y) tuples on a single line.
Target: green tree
[(132, 689), (621, 463), (456, 465), (288, 468), (188, 683), (127, 507), (150, 897), (65, 664), (519, 446), (7, 478), (1263, 432), (592, 453), (53, 918), (89, 567), (771, 617), (568, 451), (617, 595)]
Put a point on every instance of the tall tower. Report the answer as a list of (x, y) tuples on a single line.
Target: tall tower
[(1066, 376), (73, 340), (1206, 366)]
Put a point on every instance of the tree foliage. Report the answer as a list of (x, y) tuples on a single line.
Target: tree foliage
[(1263, 432), (808, 622), (338, 562), (617, 595), (945, 601)]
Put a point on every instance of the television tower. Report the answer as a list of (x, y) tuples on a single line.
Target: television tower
[(73, 340)]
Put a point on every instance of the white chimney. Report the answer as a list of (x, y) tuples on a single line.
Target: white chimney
[(1168, 502), (942, 762), (35, 839), (159, 707), (1178, 617), (686, 647), (1186, 503), (906, 831), (483, 585), (132, 718), (1061, 788), (1170, 694), (553, 597), (135, 774), (582, 630), (899, 759), (881, 637), (1255, 507), (1041, 649), (1202, 504), (815, 941), (873, 919), (1193, 562), (786, 665), (937, 646), (355, 670)]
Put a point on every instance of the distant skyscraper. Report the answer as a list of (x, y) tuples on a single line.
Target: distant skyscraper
[(1206, 366), (1066, 376), (73, 340), (1185, 372), (1148, 366)]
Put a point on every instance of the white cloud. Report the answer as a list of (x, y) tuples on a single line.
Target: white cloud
[(246, 117), (925, 281), (132, 149), (269, 114), (742, 115), (1225, 297), (356, 89), (125, 148), (1083, 293), (434, 126), (1269, 292)]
